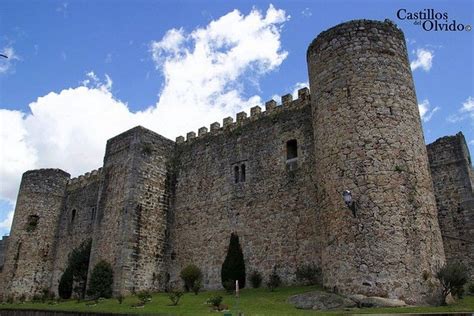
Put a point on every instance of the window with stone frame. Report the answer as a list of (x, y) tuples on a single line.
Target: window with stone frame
[(239, 172)]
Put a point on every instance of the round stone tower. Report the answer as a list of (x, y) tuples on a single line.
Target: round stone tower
[(29, 260), (369, 140)]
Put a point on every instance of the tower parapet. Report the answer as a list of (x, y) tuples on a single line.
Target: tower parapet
[(29, 257), (368, 139)]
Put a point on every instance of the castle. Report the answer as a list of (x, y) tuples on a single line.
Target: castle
[(275, 178)]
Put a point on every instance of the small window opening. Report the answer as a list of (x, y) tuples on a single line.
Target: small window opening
[(73, 215), (242, 173), (291, 149), (236, 174), (32, 223), (92, 213), (391, 110)]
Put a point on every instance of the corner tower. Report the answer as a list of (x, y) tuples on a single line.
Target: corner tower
[(368, 140), (29, 257)]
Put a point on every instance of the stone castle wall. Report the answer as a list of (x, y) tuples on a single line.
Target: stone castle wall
[(452, 174), (271, 210), (132, 206), (76, 219), (157, 205), (30, 253), (369, 140), (3, 249)]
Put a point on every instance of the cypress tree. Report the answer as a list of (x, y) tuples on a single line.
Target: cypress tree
[(75, 276), (65, 284), (233, 267)]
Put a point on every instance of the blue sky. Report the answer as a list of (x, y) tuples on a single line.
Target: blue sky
[(80, 72)]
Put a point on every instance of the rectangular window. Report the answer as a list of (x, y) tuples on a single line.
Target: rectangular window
[(236, 174), (242, 173), (291, 149), (92, 213)]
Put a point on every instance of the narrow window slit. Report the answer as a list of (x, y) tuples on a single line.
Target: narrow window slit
[(236, 174)]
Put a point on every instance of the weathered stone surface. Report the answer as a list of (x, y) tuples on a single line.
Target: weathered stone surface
[(3, 248), (158, 205), (320, 300), (272, 211), (28, 267), (453, 181), (374, 301), (368, 139), (76, 219)]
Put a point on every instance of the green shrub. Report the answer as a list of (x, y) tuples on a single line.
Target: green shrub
[(229, 286), (470, 287), (255, 279), (190, 275), (65, 284), (47, 295), (215, 301), (79, 264), (233, 267), (453, 277), (274, 280), (197, 287), (76, 272), (175, 296), (144, 297), (309, 274), (22, 298), (120, 298), (102, 278), (36, 298)]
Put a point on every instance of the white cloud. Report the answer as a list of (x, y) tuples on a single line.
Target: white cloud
[(205, 75), (108, 58), (306, 12), (206, 70), (424, 60), (466, 110), (7, 222), (468, 106), (62, 8), (426, 113), (297, 86), (294, 91), (6, 64)]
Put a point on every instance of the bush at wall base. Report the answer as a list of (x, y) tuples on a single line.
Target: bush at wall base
[(101, 281)]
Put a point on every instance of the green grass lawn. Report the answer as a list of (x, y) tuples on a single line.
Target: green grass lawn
[(253, 302)]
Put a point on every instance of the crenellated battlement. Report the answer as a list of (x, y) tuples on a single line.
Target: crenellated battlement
[(256, 113), (86, 177)]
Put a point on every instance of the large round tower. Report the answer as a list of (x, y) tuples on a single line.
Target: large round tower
[(369, 140), (29, 259)]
